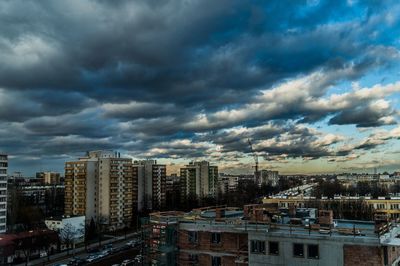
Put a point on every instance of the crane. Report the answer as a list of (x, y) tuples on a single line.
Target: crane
[(255, 156)]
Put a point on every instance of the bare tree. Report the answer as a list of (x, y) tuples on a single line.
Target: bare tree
[(69, 234)]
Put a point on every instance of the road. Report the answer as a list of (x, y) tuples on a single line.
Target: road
[(63, 257)]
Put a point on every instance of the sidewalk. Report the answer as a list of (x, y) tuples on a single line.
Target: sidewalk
[(78, 251)]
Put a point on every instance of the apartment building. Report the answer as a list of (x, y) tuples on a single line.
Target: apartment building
[(269, 177), (200, 179), (101, 186), (3, 192), (49, 178), (262, 235), (151, 184)]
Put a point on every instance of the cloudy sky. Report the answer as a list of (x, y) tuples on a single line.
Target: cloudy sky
[(314, 84)]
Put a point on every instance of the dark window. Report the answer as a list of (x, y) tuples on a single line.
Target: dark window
[(313, 251), (192, 236), (193, 258), (274, 248), (257, 246), (216, 261), (298, 250), (216, 238)]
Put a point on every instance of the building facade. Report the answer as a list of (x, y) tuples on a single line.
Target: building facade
[(101, 186), (228, 236), (200, 179), (151, 184), (269, 177), (3, 192), (49, 178)]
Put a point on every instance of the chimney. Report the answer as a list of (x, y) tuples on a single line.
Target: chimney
[(325, 217)]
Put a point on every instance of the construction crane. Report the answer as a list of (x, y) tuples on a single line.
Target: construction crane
[(255, 156)]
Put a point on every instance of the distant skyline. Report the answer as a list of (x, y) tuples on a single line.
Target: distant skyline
[(314, 84)]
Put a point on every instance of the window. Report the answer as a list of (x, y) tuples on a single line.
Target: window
[(216, 238), (216, 261), (192, 237), (257, 246), (193, 258), (313, 251), (298, 250), (273, 248)]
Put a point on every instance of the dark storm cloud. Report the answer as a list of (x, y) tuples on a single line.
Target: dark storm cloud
[(363, 116), (161, 77)]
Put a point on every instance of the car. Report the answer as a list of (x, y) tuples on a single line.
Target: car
[(127, 262), (107, 246), (92, 258), (105, 252), (76, 261), (43, 254), (133, 243)]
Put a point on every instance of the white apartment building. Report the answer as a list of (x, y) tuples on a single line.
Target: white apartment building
[(199, 178), (76, 224), (101, 186), (3, 192)]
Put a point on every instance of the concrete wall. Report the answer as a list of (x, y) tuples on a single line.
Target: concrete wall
[(104, 189), (331, 251), (91, 181)]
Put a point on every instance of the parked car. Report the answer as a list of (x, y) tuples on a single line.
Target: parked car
[(76, 261), (127, 263), (43, 254), (133, 243), (92, 257)]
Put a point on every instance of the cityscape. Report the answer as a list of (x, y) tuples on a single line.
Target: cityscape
[(199, 132)]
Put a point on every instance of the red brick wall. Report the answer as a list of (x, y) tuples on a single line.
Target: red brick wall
[(204, 259), (230, 243), (362, 255)]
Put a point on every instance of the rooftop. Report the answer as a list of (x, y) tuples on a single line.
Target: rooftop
[(237, 220)]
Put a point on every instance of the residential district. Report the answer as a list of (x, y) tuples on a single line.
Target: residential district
[(109, 210)]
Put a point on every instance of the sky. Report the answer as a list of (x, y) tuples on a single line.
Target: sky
[(314, 84)]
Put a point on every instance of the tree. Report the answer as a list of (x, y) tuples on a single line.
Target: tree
[(102, 221), (69, 234)]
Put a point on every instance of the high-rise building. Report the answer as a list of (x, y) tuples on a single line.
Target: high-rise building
[(151, 184), (269, 177), (173, 190), (3, 192), (101, 186), (200, 179), (49, 178)]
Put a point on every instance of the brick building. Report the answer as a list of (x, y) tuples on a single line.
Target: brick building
[(262, 235)]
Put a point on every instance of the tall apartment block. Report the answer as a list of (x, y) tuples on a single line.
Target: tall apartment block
[(151, 184), (3, 192), (101, 186), (269, 177), (200, 179)]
